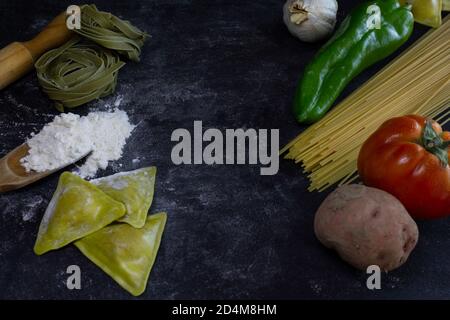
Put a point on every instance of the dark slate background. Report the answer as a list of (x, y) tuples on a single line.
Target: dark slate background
[(231, 233)]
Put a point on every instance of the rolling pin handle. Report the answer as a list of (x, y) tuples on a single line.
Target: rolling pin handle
[(17, 59)]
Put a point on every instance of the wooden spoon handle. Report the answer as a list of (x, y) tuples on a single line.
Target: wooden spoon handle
[(8, 179), (17, 58), (12, 175)]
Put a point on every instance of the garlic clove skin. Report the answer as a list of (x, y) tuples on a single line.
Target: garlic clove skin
[(310, 20)]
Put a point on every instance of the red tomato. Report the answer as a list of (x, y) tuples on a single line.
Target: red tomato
[(408, 157)]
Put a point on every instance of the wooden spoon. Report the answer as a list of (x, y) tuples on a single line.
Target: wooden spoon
[(14, 176)]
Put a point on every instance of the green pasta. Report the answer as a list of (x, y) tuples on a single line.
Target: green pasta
[(111, 32), (86, 67), (78, 72)]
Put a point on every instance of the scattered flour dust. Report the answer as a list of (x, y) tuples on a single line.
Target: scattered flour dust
[(32, 207), (69, 137)]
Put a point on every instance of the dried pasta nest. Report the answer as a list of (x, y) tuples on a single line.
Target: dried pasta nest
[(77, 73), (111, 32), (86, 67)]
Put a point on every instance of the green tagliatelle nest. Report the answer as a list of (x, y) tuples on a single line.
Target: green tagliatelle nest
[(78, 72), (86, 67), (111, 32)]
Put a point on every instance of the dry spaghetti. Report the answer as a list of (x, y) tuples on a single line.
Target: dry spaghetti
[(417, 82)]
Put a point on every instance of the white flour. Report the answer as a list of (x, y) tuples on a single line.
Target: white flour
[(69, 136)]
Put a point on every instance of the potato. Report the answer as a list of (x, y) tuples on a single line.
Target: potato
[(366, 226)]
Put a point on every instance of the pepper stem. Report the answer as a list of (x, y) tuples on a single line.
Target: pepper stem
[(434, 143)]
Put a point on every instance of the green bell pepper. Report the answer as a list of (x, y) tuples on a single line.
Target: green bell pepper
[(357, 44)]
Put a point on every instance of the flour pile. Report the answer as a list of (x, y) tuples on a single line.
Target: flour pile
[(68, 137)]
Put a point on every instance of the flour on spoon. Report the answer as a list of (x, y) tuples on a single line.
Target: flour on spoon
[(69, 136)]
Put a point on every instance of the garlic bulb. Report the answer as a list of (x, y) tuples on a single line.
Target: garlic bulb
[(310, 20)]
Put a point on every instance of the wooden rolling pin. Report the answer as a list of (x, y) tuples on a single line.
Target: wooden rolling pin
[(18, 58)]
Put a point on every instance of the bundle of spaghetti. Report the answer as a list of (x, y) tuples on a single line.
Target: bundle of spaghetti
[(417, 82)]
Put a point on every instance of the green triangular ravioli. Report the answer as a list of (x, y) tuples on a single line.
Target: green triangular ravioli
[(125, 253), (134, 189), (77, 209)]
